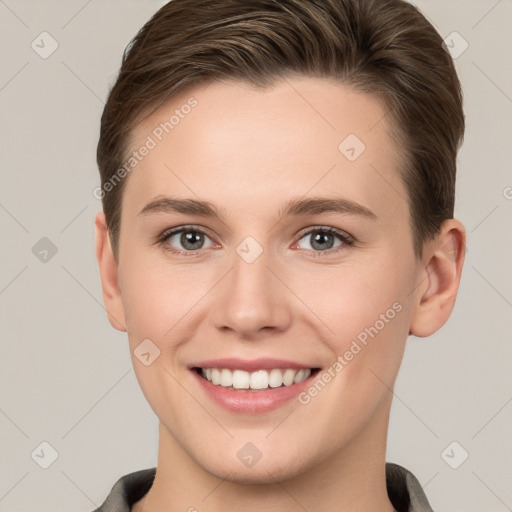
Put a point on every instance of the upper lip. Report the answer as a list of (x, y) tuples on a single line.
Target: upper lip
[(249, 365)]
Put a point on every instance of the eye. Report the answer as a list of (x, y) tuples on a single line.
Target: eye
[(323, 239), (189, 238)]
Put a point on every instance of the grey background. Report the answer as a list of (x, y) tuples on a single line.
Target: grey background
[(66, 376)]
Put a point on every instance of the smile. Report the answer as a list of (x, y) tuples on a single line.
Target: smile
[(256, 380), (252, 386)]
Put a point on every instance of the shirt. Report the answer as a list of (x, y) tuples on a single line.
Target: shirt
[(404, 490)]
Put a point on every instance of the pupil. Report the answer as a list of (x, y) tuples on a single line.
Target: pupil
[(188, 238), (318, 239)]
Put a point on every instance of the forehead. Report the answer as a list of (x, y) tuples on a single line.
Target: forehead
[(230, 141)]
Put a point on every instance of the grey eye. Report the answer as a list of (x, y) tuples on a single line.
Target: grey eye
[(190, 239), (322, 240)]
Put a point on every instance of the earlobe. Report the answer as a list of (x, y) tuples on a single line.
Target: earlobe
[(441, 274), (108, 268)]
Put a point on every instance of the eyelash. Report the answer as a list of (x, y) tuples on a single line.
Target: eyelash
[(347, 240)]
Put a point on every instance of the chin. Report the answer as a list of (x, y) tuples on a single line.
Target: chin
[(262, 472)]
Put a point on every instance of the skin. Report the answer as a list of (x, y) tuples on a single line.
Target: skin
[(248, 151)]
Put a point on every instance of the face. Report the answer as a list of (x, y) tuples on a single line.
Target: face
[(265, 238)]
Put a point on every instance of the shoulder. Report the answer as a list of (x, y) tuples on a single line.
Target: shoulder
[(127, 490), (404, 490)]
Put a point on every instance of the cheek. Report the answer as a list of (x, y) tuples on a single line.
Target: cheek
[(355, 297), (155, 305), (367, 312), (161, 305), (155, 299)]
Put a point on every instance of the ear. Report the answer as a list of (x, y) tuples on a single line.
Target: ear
[(109, 274), (441, 270)]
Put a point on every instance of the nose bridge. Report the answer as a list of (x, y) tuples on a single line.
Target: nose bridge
[(252, 297)]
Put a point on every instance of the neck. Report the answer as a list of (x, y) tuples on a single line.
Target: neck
[(351, 478)]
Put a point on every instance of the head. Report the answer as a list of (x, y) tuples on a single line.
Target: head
[(258, 111)]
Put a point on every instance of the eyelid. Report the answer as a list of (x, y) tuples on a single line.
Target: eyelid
[(183, 227), (328, 229)]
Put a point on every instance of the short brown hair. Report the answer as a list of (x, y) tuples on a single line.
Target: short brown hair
[(383, 47)]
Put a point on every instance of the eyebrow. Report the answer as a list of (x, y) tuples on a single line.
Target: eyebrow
[(294, 207)]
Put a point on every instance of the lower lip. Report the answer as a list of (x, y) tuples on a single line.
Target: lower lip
[(252, 401)]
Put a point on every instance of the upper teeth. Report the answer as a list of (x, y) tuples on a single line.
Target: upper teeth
[(260, 379)]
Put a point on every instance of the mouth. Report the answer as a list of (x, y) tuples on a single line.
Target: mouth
[(263, 379), (252, 387)]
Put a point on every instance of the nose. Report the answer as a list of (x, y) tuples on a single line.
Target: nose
[(252, 300)]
